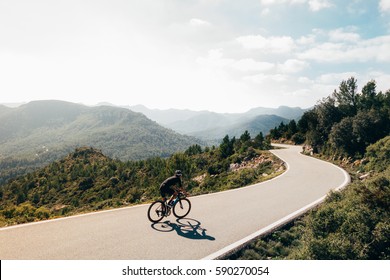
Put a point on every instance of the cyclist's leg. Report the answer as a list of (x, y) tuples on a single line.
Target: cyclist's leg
[(171, 193), (163, 193), (166, 192)]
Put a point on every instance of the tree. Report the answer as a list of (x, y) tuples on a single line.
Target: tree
[(291, 129), (347, 97), (309, 121), (227, 146), (194, 150), (341, 137), (369, 99), (367, 128), (327, 114), (353, 134), (243, 143), (245, 137), (259, 141)]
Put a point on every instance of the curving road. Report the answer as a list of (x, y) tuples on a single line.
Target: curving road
[(217, 222)]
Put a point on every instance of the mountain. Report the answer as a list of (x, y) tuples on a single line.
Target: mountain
[(260, 123), (166, 116), (175, 115), (203, 121), (4, 109), (290, 113), (255, 125), (212, 126), (58, 127)]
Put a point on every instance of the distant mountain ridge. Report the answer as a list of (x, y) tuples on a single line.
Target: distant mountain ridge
[(205, 125), (36, 133), (290, 113), (255, 125), (208, 125), (165, 116), (60, 125)]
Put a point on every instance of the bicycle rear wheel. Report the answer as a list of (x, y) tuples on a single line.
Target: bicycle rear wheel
[(182, 208), (156, 211)]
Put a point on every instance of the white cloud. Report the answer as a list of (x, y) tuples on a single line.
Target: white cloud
[(307, 40), (268, 2), (382, 80), (250, 64), (335, 78), (292, 66), (384, 5), (215, 59), (273, 2), (196, 22), (356, 8), (283, 44), (376, 49), (215, 54), (184, 49), (305, 80), (297, 1), (326, 83), (264, 78), (316, 5), (325, 52), (299, 93), (341, 35)]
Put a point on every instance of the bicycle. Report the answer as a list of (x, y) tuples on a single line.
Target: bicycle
[(180, 207)]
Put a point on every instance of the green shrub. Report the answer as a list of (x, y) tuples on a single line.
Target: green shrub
[(42, 213), (378, 155)]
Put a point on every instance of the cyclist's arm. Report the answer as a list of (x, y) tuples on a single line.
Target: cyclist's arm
[(179, 185), (178, 188), (182, 189)]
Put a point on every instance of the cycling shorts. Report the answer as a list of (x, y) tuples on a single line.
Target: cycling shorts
[(166, 190)]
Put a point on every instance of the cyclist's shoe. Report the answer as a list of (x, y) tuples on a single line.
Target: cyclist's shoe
[(159, 213)]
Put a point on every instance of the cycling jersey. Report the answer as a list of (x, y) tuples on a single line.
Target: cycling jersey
[(166, 186)]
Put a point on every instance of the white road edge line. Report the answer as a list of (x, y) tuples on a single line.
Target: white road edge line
[(69, 217), (127, 207), (279, 223), (229, 248)]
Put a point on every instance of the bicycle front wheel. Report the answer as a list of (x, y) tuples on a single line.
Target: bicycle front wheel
[(182, 208), (156, 211)]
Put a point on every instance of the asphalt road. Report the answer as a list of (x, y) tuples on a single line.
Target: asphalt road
[(216, 223)]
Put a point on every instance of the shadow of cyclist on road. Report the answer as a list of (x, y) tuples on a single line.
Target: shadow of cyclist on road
[(185, 227)]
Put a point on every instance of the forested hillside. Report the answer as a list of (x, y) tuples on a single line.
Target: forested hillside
[(87, 180), (344, 123), (43, 131), (253, 125), (353, 130)]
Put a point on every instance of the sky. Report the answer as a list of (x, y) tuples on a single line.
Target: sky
[(217, 55)]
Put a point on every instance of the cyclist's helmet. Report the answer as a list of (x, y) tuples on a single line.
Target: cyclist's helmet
[(178, 173)]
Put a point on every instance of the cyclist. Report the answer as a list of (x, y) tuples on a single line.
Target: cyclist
[(168, 186)]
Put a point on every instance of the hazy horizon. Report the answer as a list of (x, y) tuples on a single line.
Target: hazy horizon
[(221, 56), (18, 104)]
